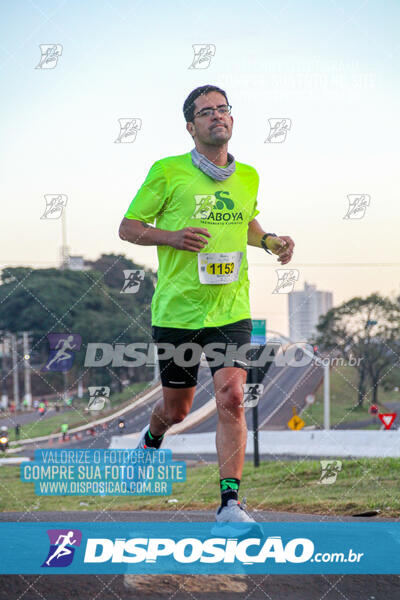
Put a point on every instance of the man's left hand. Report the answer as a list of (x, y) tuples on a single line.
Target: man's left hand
[(282, 246)]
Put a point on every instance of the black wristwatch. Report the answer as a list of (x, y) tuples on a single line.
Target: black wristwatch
[(263, 243)]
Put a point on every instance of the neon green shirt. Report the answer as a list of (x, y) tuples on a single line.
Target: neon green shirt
[(177, 194)]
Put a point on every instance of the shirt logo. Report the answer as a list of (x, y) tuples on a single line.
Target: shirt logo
[(215, 207)]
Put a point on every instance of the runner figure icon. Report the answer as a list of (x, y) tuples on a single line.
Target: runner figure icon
[(62, 550), (62, 352), (133, 279)]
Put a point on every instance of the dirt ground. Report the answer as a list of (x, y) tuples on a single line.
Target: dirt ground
[(200, 587)]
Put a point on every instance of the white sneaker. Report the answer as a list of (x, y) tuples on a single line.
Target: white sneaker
[(235, 512), (142, 444)]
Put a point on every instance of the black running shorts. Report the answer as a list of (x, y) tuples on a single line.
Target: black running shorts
[(185, 375)]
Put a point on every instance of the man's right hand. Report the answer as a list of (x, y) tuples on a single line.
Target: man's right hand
[(189, 238)]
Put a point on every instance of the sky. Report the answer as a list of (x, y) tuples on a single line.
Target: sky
[(330, 68)]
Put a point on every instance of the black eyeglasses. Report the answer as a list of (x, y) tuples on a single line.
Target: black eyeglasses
[(224, 109)]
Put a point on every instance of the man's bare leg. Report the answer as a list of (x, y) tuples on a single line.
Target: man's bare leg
[(231, 434), (172, 408)]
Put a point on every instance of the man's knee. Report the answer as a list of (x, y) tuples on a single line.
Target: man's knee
[(177, 416), (230, 396)]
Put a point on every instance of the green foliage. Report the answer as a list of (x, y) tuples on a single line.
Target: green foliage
[(89, 303), (362, 484), (46, 301), (367, 329)]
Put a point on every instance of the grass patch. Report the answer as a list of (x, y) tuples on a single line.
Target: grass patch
[(344, 407), (362, 484), (77, 415)]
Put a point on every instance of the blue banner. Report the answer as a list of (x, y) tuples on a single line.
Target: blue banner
[(201, 548)]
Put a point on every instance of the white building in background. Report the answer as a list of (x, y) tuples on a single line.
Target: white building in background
[(76, 263), (73, 263), (305, 308)]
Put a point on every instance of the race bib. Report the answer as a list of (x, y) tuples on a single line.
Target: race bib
[(218, 268)]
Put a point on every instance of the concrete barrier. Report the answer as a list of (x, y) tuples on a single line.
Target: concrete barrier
[(342, 443)]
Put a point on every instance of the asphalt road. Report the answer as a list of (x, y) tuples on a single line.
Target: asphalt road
[(24, 418), (282, 387), (135, 420), (174, 514)]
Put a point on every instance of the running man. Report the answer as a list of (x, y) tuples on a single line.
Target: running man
[(62, 550), (204, 203), (133, 280), (62, 352)]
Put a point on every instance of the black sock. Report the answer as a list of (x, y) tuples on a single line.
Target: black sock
[(152, 441), (229, 489)]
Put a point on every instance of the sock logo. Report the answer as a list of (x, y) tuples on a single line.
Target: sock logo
[(229, 483)]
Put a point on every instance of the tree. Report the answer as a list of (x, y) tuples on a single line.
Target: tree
[(89, 303), (367, 331)]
